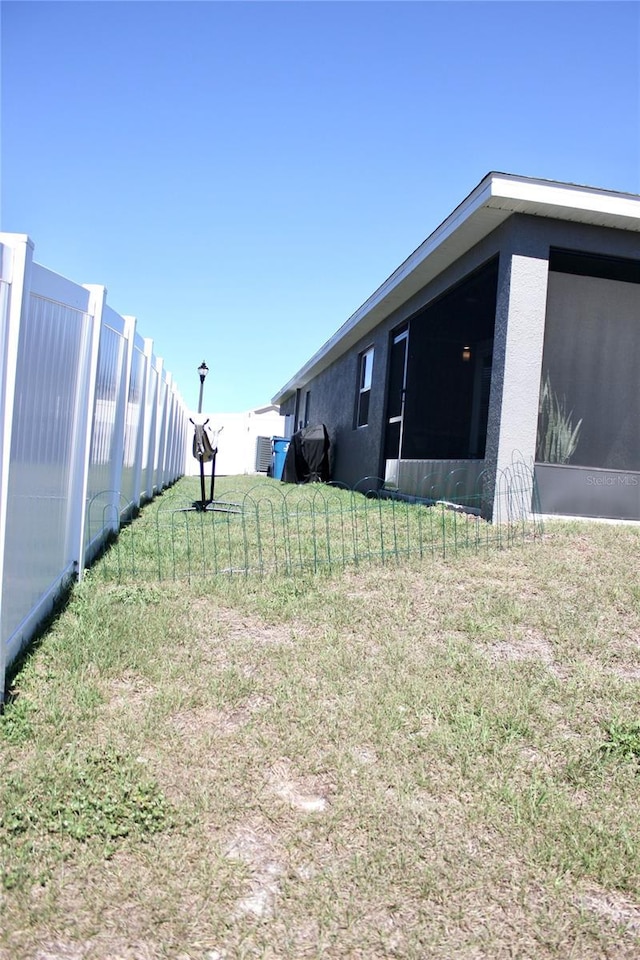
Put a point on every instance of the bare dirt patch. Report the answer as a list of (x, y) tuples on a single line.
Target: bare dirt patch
[(206, 720), (128, 692), (531, 646), (364, 755), (308, 795), (92, 950), (255, 846), (613, 907), (232, 624), (62, 951)]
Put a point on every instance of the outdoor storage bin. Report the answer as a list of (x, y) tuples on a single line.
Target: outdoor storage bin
[(279, 447)]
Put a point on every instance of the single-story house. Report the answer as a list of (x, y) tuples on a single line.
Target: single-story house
[(510, 337)]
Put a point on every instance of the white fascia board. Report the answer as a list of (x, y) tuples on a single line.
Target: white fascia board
[(573, 198), (500, 193)]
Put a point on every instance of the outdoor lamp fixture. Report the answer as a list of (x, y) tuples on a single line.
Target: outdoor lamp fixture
[(203, 370), (205, 452), (466, 353)]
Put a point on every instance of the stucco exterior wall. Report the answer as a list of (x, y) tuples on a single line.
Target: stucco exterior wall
[(354, 453), (358, 452), (523, 243)]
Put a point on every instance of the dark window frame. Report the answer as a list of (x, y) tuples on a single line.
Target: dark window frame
[(364, 382), (602, 266)]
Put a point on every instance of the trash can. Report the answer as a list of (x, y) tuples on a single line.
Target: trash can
[(279, 447)]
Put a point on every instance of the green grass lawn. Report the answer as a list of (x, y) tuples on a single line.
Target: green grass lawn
[(435, 757)]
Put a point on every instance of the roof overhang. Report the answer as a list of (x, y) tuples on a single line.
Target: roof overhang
[(497, 197)]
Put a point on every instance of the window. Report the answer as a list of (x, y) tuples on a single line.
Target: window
[(307, 408), (365, 369)]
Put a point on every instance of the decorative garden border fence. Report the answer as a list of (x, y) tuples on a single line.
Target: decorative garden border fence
[(261, 527)]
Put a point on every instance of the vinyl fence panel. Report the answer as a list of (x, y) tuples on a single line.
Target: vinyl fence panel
[(105, 461), (147, 421), (161, 435), (49, 407), (90, 423), (133, 428)]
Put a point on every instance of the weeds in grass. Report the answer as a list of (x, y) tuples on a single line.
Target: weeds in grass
[(623, 740), (15, 722), (102, 796)]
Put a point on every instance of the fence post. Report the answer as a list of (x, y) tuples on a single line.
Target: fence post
[(145, 428), (78, 512), (137, 473), (162, 437), (123, 407), (160, 397), (179, 456), (16, 252), (166, 474), (168, 457), (182, 453), (167, 436)]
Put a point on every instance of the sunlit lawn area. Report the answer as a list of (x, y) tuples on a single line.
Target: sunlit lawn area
[(421, 757)]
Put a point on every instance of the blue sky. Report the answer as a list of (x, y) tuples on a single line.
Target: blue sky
[(243, 175)]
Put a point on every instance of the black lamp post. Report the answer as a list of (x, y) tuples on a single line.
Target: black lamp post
[(203, 451), (203, 370)]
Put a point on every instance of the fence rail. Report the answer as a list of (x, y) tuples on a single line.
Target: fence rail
[(87, 414), (260, 527)]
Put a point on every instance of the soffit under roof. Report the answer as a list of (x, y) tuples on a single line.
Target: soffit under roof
[(497, 197)]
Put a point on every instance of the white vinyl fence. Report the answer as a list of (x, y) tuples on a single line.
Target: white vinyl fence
[(91, 426)]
